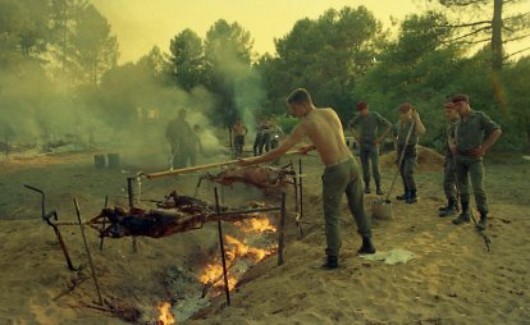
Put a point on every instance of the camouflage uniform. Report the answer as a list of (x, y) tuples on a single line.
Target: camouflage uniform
[(370, 126), (408, 165), (470, 133)]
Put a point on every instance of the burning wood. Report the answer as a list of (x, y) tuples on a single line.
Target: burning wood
[(260, 176)]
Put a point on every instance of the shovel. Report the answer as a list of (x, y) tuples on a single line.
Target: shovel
[(382, 208)]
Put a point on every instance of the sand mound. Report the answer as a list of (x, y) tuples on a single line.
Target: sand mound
[(428, 159)]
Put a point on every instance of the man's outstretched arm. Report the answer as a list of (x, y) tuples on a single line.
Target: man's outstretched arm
[(295, 137)]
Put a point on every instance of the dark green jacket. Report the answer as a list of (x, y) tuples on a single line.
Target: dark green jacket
[(401, 129), (471, 132), (370, 127)]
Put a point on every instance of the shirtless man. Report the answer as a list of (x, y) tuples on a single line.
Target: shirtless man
[(341, 175), (239, 130)]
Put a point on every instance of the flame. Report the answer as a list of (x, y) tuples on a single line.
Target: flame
[(166, 315), (259, 224), (238, 250)]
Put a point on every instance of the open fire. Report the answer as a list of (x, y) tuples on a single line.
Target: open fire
[(241, 254), (253, 244), (165, 314)]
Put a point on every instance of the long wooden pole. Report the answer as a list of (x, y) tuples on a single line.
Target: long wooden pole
[(203, 167), (222, 248), (90, 262)]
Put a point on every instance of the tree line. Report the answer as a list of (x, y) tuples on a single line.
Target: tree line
[(342, 57)]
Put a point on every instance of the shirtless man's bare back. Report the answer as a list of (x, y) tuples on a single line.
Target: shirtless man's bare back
[(323, 128)]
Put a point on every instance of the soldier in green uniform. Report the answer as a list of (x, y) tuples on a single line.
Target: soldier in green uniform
[(449, 165), (178, 134), (407, 117), (475, 134), (369, 137)]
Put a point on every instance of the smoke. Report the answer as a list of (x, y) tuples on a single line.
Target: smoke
[(127, 113), (248, 90)]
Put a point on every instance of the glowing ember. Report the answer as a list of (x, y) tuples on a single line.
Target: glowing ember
[(166, 316)]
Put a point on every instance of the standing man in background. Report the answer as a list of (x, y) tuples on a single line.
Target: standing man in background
[(239, 132), (258, 141), (369, 138), (449, 165), (408, 120), (179, 136), (475, 134)]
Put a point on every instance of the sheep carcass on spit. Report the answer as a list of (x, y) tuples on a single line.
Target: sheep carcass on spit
[(259, 176)]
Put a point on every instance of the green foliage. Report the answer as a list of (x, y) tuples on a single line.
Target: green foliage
[(94, 48), (286, 122), (229, 74), (187, 59), (326, 56)]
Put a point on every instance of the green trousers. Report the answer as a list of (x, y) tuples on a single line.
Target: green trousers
[(407, 168), (339, 179), (370, 155), (450, 178), (470, 167)]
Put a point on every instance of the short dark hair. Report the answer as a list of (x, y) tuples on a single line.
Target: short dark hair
[(460, 98), (299, 96)]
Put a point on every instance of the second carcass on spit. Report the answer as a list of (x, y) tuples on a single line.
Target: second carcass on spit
[(263, 177)]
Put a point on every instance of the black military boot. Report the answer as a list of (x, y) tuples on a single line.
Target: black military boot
[(378, 191), (367, 188), (483, 222), (449, 210), (367, 247), (403, 196), (412, 197), (464, 216), (332, 262)]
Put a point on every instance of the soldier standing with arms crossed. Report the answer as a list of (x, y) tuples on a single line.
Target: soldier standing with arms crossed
[(369, 124), (475, 134)]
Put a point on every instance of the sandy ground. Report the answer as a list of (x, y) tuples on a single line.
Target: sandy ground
[(451, 280)]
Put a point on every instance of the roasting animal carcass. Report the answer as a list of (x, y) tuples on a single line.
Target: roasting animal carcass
[(155, 223), (185, 204), (260, 176), (138, 222), (176, 214)]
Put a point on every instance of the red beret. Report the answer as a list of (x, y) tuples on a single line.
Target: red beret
[(361, 106), (405, 107)]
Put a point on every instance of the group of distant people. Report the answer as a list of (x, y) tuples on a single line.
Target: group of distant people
[(470, 134), (268, 136)]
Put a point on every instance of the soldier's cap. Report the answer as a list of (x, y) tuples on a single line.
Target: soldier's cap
[(361, 105), (405, 107), (449, 104), (460, 98)]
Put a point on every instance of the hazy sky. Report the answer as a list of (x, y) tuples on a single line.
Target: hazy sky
[(141, 24)]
